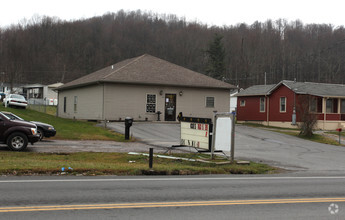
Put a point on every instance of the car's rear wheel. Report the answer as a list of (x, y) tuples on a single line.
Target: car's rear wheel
[(40, 133), (17, 141)]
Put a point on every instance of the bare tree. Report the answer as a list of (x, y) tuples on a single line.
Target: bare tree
[(307, 118)]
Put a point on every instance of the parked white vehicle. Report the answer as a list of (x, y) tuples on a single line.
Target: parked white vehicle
[(15, 100)]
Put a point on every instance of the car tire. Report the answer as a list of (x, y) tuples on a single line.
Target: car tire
[(40, 133), (17, 141)]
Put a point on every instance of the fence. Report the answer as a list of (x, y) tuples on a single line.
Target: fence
[(43, 105)]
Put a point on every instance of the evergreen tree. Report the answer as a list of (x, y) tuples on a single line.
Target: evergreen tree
[(216, 55)]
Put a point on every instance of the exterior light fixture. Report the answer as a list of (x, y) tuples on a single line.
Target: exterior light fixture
[(180, 93), (161, 92)]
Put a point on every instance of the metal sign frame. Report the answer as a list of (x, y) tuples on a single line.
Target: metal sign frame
[(232, 136)]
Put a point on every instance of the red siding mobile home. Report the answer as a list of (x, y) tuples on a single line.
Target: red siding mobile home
[(248, 109), (326, 101), (275, 113)]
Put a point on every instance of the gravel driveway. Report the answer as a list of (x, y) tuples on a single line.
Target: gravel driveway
[(68, 146)]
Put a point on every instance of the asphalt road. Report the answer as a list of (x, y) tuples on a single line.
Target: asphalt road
[(197, 197), (276, 149)]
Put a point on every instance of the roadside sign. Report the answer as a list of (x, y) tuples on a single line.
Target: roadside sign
[(224, 133), (195, 132)]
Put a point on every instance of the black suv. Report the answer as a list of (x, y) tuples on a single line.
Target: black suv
[(43, 129), (17, 134)]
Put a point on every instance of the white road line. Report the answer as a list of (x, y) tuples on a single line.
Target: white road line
[(172, 179)]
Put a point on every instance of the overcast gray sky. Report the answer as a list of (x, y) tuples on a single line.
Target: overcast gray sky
[(216, 12)]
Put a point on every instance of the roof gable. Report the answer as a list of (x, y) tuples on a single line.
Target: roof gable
[(257, 90), (311, 88), (147, 69)]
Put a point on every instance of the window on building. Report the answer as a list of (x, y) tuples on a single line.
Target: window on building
[(64, 104), (210, 102), (313, 104), (282, 104), (243, 102), (151, 103), (331, 105), (342, 106), (75, 103), (262, 104), (36, 93)]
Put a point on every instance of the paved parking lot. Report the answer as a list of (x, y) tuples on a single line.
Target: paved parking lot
[(154, 133), (256, 144)]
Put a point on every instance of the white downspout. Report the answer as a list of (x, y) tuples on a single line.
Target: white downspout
[(324, 111)]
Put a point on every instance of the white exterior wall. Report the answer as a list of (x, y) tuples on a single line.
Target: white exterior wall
[(45, 92), (89, 103), (51, 94), (233, 103), (123, 100)]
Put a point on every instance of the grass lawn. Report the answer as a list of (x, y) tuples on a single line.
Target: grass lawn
[(268, 127), (68, 128), (86, 163), (337, 133), (316, 137)]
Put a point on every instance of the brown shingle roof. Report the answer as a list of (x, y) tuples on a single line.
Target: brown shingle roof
[(147, 69)]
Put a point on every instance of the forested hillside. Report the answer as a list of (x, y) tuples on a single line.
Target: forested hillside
[(48, 50)]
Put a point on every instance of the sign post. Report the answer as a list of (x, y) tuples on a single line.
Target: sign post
[(339, 130), (232, 138)]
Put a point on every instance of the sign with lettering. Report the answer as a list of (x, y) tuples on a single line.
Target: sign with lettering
[(195, 133)]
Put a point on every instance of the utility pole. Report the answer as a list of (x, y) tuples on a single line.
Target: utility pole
[(265, 78)]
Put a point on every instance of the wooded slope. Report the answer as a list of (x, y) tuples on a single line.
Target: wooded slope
[(48, 50)]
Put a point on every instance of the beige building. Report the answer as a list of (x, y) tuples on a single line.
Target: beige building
[(38, 94), (140, 88)]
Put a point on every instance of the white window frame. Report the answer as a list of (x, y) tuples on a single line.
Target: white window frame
[(242, 102), (206, 103), (262, 104), (280, 104), (151, 103), (75, 104)]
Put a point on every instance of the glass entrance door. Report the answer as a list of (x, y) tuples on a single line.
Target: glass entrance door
[(170, 107)]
